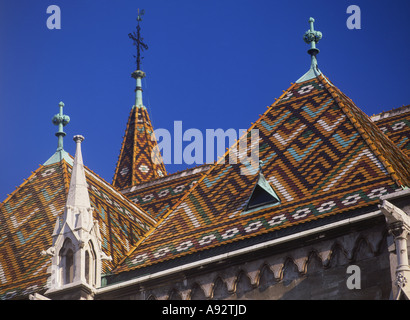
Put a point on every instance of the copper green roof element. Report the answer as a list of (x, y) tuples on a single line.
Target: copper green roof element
[(138, 75), (311, 37), (60, 120)]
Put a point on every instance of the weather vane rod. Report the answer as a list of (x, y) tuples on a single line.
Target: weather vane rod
[(138, 41)]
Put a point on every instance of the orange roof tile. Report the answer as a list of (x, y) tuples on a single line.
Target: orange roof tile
[(395, 124), (139, 160)]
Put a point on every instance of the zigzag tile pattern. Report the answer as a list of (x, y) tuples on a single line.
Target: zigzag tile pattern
[(159, 196), (316, 155), (28, 216), (397, 129), (139, 160)]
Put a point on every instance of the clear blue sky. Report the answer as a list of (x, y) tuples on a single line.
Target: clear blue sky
[(210, 64)]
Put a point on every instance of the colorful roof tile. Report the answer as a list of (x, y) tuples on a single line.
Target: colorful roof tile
[(157, 197), (321, 154), (139, 160), (28, 216), (395, 124)]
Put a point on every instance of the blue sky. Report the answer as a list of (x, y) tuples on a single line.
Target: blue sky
[(210, 64)]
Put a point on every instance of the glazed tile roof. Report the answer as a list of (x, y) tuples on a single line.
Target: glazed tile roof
[(28, 216), (395, 124), (160, 195), (321, 154), (139, 160)]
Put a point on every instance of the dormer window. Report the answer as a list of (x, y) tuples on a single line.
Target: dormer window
[(262, 194)]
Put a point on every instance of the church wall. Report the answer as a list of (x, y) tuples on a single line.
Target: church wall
[(310, 271)]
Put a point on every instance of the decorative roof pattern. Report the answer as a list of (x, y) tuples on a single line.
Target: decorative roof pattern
[(321, 155), (397, 129), (139, 160), (28, 216), (159, 196)]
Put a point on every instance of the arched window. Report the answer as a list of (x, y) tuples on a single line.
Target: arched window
[(87, 267), (67, 262), (91, 264)]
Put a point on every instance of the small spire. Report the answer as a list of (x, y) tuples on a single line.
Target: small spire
[(60, 120), (312, 37), (78, 191)]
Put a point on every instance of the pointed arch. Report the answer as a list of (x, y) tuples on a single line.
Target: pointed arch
[(151, 297), (66, 265), (266, 277), (362, 249), (197, 293), (313, 263), (289, 271), (242, 284), (220, 289), (174, 295), (338, 256)]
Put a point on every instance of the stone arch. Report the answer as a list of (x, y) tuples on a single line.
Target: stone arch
[(338, 256), (242, 284), (151, 297), (197, 293), (220, 289), (266, 278), (362, 250), (174, 295), (313, 263), (289, 271)]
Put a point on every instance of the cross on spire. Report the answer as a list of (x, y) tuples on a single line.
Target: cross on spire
[(138, 41)]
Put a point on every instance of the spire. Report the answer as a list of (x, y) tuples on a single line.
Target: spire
[(311, 37), (140, 160), (60, 120), (78, 192), (76, 251)]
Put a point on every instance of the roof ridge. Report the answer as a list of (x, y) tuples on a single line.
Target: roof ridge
[(188, 192), (384, 158), (123, 147), (390, 113)]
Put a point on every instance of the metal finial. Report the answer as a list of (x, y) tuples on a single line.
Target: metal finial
[(78, 138), (60, 120), (138, 41), (312, 37)]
